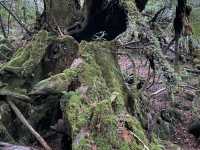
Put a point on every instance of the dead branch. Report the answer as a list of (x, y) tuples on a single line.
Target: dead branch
[(158, 92), (25, 123), (15, 17), (145, 146), (157, 14), (152, 83)]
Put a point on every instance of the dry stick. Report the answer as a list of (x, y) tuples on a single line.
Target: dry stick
[(164, 89), (15, 17), (59, 30), (158, 92), (4, 56), (145, 146), (25, 122), (154, 78)]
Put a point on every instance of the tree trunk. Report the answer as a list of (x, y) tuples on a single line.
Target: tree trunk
[(60, 14)]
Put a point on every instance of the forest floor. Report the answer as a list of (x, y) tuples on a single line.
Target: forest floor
[(160, 102)]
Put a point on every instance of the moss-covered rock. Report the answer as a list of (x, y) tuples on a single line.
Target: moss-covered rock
[(56, 83)]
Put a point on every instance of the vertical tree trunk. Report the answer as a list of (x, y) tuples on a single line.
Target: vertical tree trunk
[(60, 14)]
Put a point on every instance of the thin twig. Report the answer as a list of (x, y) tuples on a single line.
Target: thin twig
[(58, 27), (4, 56), (158, 92), (154, 77), (145, 146)]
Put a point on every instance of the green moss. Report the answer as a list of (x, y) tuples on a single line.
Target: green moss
[(104, 126), (196, 29), (76, 112), (71, 44), (156, 144), (132, 9), (136, 128), (196, 22), (5, 52), (83, 145), (56, 83), (26, 59), (92, 75), (103, 78), (91, 69)]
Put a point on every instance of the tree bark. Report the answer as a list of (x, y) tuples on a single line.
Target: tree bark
[(60, 14)]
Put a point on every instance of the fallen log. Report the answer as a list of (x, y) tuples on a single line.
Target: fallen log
[(7, 146)]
